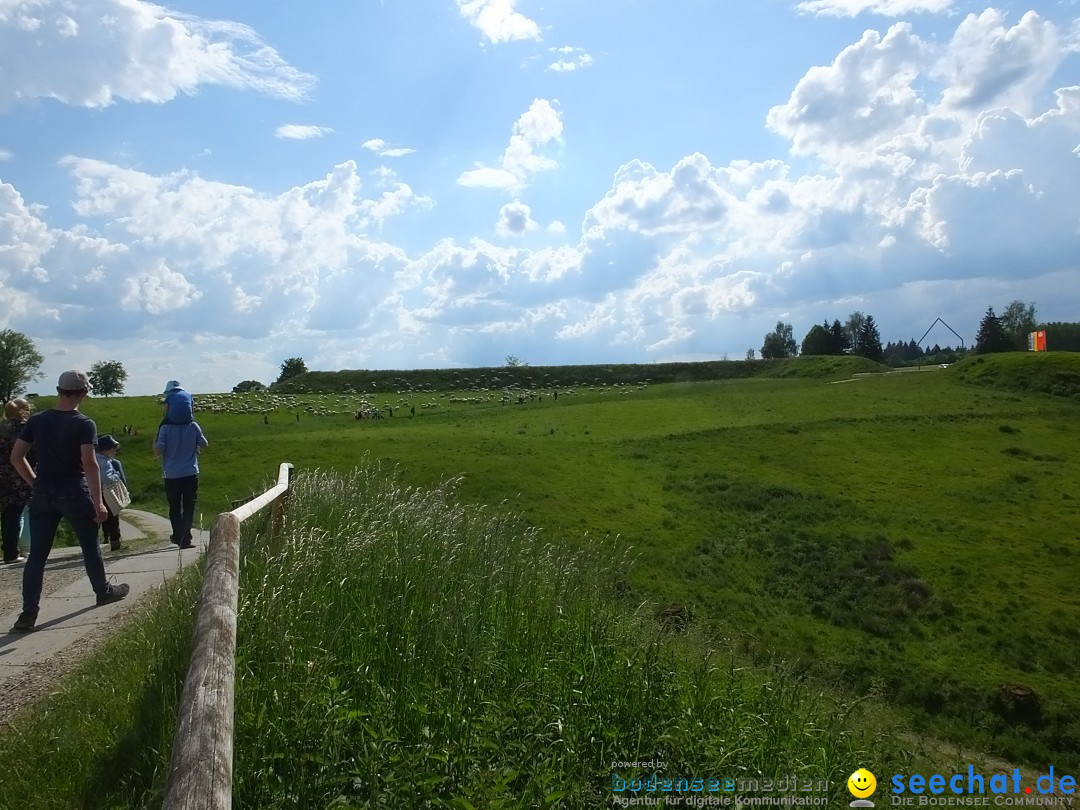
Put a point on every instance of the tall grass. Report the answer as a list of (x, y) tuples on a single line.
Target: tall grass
[(103, 737), (399, 649)]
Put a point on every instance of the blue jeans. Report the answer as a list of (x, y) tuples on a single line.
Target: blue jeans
[(11, 522), (181, 493), (50, 502)]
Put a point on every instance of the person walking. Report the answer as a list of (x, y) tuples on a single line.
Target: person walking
[(65, 484), (14, 491), (178, 448), (111, 471)]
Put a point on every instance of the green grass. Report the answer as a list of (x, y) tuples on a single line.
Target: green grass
[(1056, 373), (103, 738), (906, 536), (400, 650)]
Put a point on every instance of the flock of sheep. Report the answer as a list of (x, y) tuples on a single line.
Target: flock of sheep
[(361, 406)]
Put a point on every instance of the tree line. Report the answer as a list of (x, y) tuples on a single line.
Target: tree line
[(859, 335)]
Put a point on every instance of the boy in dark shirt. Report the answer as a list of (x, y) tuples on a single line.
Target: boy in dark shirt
[(66, 484)]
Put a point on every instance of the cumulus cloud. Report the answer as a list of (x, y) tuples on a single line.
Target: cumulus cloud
[(384, 149), (569, 59), (887, 8), (301, 132), (941, 179), (158, 290), (93, 52), (515, 219), (535, 130), (498, 20)]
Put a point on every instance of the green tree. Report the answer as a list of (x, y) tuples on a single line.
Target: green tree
[(852, 330), (870, 341), (818, 340), (292, 367), (19, 363), (1018, 320), (248, 385), (840, 341), (991, 336), (107, 377), (779, 343), (514, 362), (749, 354)]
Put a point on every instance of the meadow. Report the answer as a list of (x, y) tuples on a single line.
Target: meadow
[(910, 540), (908, 534)]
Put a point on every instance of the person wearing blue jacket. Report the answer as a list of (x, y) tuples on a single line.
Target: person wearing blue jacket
[(179, 405), (178, 448)]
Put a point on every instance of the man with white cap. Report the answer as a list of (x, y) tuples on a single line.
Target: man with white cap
[(66, 484)]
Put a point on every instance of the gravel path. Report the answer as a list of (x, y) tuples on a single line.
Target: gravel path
[(64, 567)]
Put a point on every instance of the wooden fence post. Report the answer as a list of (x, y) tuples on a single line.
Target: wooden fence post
[(200, 774)]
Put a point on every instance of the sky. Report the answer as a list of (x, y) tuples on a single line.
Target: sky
[(202, 190)]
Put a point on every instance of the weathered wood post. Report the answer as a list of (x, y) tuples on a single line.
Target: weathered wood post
[(200, 772)]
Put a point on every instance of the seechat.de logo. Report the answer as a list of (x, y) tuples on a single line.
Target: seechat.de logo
[(862, 785)]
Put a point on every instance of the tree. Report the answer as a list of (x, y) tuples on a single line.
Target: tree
[(514, 362), (1018, 320), (19, 362), (248, 385), (779, 343), (749, 354), (292, 367), (870, 341), (841, 342), (108, 377), (819, 340), (991, 337), (852, 329)]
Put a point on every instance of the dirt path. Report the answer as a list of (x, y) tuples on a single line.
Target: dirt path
[(141, 531)]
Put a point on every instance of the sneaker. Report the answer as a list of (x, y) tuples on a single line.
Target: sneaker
[(114, 594), (18, 559), (25, 622), (117, 546)]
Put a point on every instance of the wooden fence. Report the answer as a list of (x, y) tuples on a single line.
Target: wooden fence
[(200, 774)]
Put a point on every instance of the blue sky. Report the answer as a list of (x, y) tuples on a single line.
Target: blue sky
[(203, 189)]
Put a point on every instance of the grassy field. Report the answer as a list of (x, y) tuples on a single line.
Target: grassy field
[(907, 536)]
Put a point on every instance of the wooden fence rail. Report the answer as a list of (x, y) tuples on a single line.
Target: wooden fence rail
[(200, 773)]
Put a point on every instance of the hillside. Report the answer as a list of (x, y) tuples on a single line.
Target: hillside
[(541, 377), (1056, 373)]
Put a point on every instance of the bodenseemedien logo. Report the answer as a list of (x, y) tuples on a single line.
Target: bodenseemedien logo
[(862, 785)]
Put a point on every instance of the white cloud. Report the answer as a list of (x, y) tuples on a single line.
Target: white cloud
[(384, 149), (864, 97), (939, 183), (93, 52), (887, 8), (569, 59), (515, 219), (497, 20), (5, 154), (989, 64), (535, 130), (301, 132), (158, 290)]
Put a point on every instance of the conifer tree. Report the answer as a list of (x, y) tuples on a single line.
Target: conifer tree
[(991, 336)]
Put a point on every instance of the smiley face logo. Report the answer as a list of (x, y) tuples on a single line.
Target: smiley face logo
[(861, 783)]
